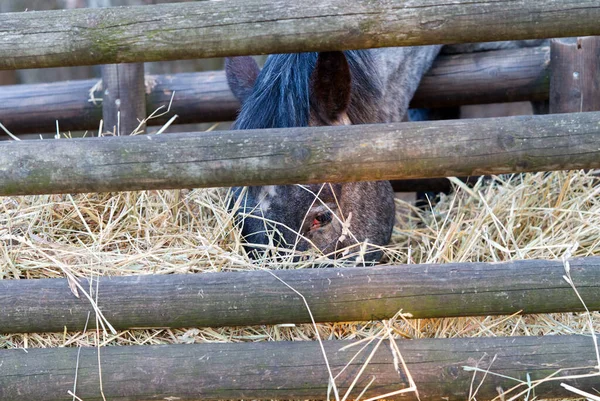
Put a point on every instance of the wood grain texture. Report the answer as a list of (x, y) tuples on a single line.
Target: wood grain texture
[(242, 27), (292, 370), (302, 155), (334, 295), (487, 77), (123, 98), (34, 108), (575, 75)]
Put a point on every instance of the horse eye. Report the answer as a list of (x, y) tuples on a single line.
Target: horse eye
[(324, 217)]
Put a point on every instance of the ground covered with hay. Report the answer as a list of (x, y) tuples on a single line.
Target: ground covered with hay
[(530, 216)]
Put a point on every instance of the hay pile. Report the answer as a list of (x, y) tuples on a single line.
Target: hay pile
[(542, 215)]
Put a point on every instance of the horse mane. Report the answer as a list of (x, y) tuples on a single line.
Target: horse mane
[(281, 95)]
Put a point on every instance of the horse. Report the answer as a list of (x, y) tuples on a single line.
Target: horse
[(328, 88), (319, 89)]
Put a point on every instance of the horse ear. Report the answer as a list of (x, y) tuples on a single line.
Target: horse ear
[(331, 87), (241, 75)]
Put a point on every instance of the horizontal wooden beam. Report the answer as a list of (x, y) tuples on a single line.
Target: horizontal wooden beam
[(338, 295), (486, 77), (302, 155), (35, 108), (241, 27), (296, 370)]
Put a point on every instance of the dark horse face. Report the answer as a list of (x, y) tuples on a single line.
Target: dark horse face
[(300, 90)]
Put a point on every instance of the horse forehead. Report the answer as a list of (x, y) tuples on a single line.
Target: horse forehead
[(267, 191), (326, 191), (277, 191), (287, 194)]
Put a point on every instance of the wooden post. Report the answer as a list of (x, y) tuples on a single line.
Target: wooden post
[(124, 98), (7, 77), (575, 75), (297, 370)]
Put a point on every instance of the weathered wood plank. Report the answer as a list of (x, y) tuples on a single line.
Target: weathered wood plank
[(302, 155), (294, 370), (123, 98), (351, 294), (241, 27), (199, 97), (575, 75), (487, 77)]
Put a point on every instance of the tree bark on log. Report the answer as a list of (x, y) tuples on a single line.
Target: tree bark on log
[(334, 295), (295, 370), (302, 155), (243, 27)]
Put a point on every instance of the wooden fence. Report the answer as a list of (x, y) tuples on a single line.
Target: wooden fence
[(296, 370), (302, 155), (238, 27), (415, 150), (487, 77), (348, 294)]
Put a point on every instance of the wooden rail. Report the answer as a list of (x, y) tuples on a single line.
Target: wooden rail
[(34, 108), (351, 294), (302, 155), (295, 370), (486, 77), (240, 27)]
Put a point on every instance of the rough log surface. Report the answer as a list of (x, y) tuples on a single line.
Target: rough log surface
[(302, 155), (292, 370), (241, 27), (123, 100), (575, 77), (34, 108), (486, 77), (334, 295)]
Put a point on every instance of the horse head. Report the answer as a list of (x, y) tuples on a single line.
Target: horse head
[(306, 90)]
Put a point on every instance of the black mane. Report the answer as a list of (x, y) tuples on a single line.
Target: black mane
[(281, 95)]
